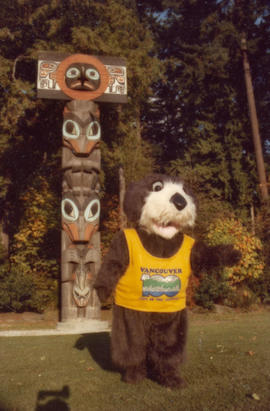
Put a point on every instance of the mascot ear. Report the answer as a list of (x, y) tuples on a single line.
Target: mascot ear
[(134, 201)]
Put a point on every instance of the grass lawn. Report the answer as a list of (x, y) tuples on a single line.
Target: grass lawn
[(228, 368)]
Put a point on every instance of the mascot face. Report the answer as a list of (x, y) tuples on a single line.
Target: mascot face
[(161, 205)]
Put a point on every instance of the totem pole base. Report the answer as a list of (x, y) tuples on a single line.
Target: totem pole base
[(83, 326)]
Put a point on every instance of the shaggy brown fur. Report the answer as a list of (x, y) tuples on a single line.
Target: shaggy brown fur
[(142, 343)]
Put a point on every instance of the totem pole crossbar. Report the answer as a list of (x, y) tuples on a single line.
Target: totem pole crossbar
[(83, 80)]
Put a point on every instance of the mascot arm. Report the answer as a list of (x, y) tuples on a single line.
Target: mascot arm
[(113, 267), (205, 257)]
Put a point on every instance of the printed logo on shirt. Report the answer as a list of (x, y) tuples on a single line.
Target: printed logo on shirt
[(156, 285)]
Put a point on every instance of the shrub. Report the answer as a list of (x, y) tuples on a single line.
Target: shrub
[(35, 249), (16, 290), (262, 288), (232, 231), (212, 290), (238, 285)]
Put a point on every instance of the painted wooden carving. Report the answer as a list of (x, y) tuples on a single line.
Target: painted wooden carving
[(81, 77), (83, 80), (80, 209)]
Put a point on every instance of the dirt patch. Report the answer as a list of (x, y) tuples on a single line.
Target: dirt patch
[(13, 320)]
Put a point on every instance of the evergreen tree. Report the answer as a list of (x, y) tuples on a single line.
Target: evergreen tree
[(199, 114)]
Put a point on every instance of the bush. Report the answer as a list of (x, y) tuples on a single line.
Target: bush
[(212, 290), (232, 231), (20, 292), (242, 284), (262, 288), (35, 247), (16, 290)]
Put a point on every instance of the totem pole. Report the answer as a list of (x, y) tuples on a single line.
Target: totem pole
[(83, 80)]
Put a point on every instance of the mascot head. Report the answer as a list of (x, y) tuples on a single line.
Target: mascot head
[(161, 205)]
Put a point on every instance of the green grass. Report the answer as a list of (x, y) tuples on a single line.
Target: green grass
[(228, 368)]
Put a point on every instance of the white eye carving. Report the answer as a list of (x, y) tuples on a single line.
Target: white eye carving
[(157, 186), (73, 72), (69, 210), (93, 131), (92, 211), (71, 129), (92, 74)]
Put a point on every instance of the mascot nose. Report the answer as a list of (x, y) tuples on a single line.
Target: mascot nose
[(178, 201)]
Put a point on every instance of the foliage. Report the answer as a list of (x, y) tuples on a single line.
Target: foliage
[(16, 289), (110, 221), (126, 148), (199, 115), (36, 245), (232, 231), (263, 231), (191, 290), (212, 290), (242, 284)]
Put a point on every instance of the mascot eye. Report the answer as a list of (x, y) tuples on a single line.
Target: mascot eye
[(157, 186)]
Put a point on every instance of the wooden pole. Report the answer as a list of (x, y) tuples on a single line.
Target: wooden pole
[(254, 122), (122, 190), (83, 80)]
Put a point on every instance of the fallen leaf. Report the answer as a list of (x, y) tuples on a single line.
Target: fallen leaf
[(251, 353), (221, 347), (255, 397), (43, 358), (90, 369)]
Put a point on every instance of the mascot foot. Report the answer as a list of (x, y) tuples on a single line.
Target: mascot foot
[(133, 375), (175, 382), (171, 381)]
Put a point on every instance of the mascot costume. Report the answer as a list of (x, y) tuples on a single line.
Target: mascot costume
[(147, 268)]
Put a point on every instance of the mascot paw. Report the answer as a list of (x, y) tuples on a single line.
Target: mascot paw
[(231, 256), (103, 294)]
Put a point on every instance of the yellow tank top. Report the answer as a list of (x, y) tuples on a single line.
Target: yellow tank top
[(152, 283)]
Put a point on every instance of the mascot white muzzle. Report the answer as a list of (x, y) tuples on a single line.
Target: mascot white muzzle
[(168, 209)]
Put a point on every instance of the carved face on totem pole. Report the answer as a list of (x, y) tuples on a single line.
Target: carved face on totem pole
[(81, 129), (81, 76), (79, 266), (81, 159), (80, 216)]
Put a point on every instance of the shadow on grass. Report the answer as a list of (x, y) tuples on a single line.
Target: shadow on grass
[(53, 400), (98, 346)]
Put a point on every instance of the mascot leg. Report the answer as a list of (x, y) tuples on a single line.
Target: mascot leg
[(166, 349), (128, 344)]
